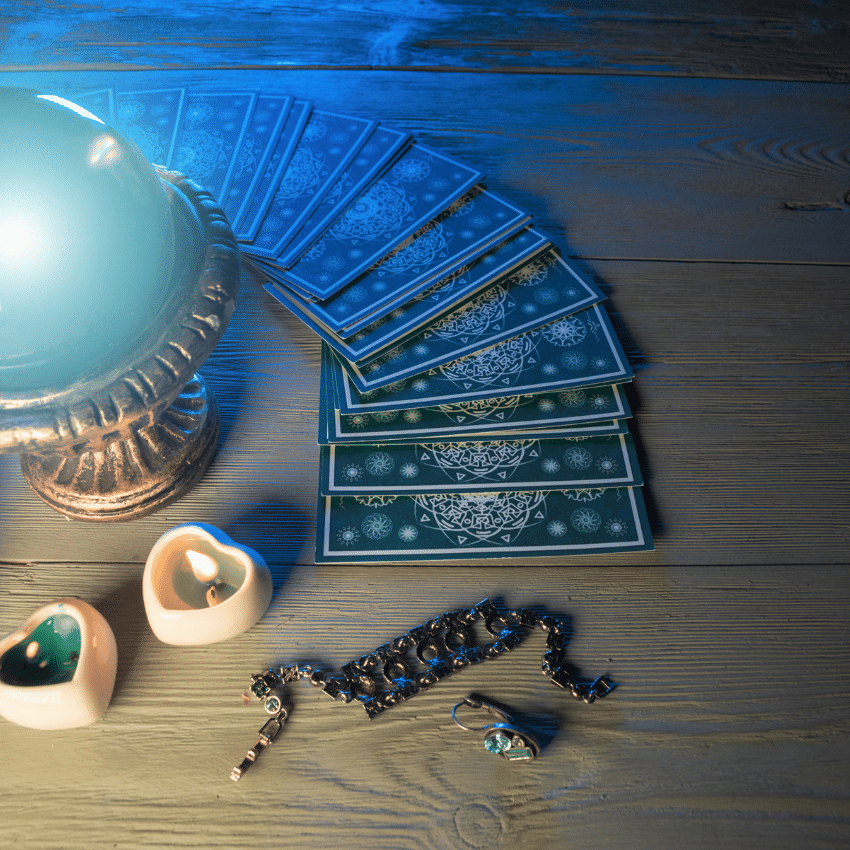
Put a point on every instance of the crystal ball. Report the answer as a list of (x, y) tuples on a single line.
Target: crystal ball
[(86, 244)]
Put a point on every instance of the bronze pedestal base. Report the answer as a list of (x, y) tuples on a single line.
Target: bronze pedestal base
[(137, 475), (124, 442)]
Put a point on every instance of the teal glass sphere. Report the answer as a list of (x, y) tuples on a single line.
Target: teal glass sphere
[(86, 243)]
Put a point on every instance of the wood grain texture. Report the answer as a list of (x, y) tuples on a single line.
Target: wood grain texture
[(612, 167), (714, 737), (723, 38), (730, 724), (740, 401)]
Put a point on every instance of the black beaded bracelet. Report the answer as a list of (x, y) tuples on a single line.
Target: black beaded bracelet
[(385, 677)]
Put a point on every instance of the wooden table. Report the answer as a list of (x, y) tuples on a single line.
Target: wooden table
[(696, 165)]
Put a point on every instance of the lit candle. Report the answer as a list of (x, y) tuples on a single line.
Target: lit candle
[(200, 586), (57, 671), (205, 569)]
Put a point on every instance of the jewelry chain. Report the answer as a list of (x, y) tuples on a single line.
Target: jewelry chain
[(443, 645)]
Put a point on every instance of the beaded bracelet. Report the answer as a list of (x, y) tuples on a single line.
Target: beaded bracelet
[(385, 677)]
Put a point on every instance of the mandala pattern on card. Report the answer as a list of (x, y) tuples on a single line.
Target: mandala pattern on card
[(477, 318), (567, 331), (578, 458), (473, 462), (420, 249), (585, 520), (129, 111), (411, 170), (408, 533), (198, 112), (377, 526), (534, 271), (304, 172), (379, 463), (572, 398), (494, 518), (348, 535), (616, 528), (501, 364), (316, 129), (202, 152), (379, 212)]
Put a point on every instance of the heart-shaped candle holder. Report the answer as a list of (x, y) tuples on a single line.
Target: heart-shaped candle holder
[(200, 586), (57, 671)]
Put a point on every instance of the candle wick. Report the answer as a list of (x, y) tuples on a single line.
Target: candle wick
[(215, 593)]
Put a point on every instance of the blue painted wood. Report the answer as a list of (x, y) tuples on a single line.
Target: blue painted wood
[(786, 39)]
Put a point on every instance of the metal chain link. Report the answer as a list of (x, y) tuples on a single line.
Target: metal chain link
[(384, 677)]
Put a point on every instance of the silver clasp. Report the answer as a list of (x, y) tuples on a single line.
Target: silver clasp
[(268, 733)]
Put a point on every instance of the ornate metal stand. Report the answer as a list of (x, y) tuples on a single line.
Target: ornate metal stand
[(124, 443)]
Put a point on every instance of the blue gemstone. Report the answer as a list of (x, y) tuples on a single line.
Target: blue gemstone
[(497, 743)]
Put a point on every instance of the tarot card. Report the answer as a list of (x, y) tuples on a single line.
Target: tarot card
[(266, 125), (100, 103), (437, 299), (427, 302), (211, 136), (251, 216), (327, 145), (442, 246), (382, 147), (591, 410), (523, 463), (579, 350), (420, 185), (151, 120), (513, 524), (539, 292)]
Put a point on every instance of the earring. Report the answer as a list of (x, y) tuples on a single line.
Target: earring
[(504, 737)]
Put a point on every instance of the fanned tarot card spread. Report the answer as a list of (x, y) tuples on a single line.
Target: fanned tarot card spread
[(151, 119), (524, 463), (455, 289), (471, 393), (251, 216), (539, 292), (436, 250), (380, 150), (211, 136), (404, 320), (576, 351), (571, 412), (382, 304), (426, 303), (327, 145), (420, 185), (261, 139), (517, 524)]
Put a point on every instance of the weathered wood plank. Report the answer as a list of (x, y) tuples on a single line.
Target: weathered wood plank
[(781, 40), (714, 737), (741, 401), (615, 167)]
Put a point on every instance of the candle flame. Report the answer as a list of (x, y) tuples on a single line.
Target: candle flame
[(203, 566)]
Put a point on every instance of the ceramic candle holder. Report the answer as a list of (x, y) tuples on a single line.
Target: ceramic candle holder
[(200, 586), (57, 671)]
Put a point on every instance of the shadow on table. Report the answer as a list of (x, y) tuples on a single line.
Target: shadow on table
[(125, 613), (278, 531)]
